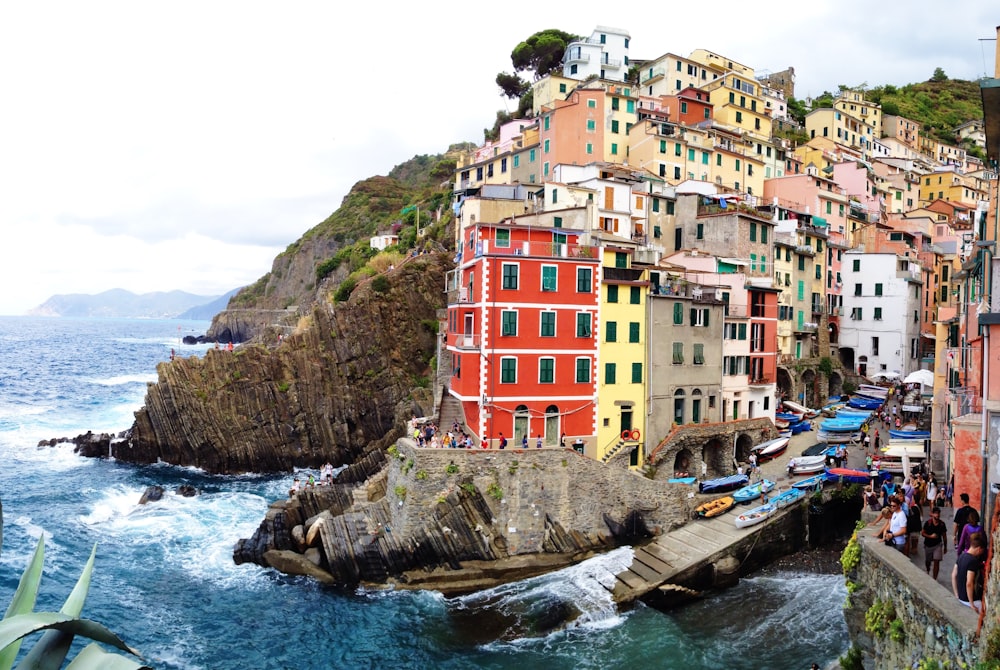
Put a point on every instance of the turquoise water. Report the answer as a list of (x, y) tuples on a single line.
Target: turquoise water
[(165, 580)]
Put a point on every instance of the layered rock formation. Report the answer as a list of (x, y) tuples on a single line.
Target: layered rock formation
[(342, 384), (459, 521)]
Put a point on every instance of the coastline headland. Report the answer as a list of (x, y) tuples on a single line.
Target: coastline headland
[(458, 521)]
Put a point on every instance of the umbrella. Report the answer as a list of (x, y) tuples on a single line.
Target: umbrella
[(885, 375), (925, 377)]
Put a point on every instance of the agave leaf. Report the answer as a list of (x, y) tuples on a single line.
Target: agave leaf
[(16, 627), (51, 650), (23, 602), (93, 657)]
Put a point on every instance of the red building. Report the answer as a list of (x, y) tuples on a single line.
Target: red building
[(522, 333)]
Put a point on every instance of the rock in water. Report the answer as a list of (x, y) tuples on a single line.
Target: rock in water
[(151, 494)]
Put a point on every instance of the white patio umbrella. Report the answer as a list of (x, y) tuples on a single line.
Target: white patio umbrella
[(925, 377)]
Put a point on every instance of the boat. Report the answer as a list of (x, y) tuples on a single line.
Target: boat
[(756, 515), (800, 427), (714, 507), (847, 475), (770, 449), (811, 483), (790, 417), (852, 413), (682, 480), (723, 484), (910, 434), (899, 456), (786, 498), (752, 491), (781, 424), (800, 409), (838, 438), (805, 465), (873, 391), (861, 402)]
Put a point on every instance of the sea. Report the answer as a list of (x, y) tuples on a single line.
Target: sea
[(165, 581)]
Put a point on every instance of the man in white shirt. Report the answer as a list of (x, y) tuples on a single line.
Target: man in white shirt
[(897, 525)]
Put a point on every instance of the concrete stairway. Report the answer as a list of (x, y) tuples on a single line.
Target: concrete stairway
[(449, 412)]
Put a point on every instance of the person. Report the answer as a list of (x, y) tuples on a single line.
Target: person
[(311, 482), (328, 472), (503, 441), (961, 517), (966, 572), (562, 440), (538, 441), (172, 354), (971, 526), (524, 441), (888, 488), (229, 346), (935, 534), (932, 491), (914, 524), (939, 497), (791, 467), (295, 488), (485, 444), (895, 532)]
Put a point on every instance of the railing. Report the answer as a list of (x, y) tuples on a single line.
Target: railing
[(737, 311), (579, 58), (760, 381), (611, 62), (655, 74), (464, 341), (544, 249), (622, 274)]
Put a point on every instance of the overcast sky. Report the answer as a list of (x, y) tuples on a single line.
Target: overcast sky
[(182, 145)]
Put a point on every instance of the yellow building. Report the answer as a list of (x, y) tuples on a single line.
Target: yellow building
[(853, 122), (949, 185), (737, 103), (622, 362)]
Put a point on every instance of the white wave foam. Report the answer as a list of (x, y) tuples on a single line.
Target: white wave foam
[(120, 380)]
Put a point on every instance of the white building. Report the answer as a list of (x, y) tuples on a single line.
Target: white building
[(604, 54), (880, 325)]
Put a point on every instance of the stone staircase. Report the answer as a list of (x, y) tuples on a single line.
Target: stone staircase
[(449, 412)]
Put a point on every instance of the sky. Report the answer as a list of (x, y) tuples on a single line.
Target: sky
[(182, 145)]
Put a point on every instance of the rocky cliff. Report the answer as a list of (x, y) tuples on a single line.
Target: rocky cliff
[(458, 521), (341, 384)]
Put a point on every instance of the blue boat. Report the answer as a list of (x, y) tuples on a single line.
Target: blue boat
[(683, 480), (790, 418), (786, 498), (841, 425), (800, 427), (723, 484), (752, 492), (811, 483), (909, 434), (859, 402)]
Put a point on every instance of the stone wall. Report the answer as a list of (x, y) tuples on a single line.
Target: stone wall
[(910, 617), (711, 443)]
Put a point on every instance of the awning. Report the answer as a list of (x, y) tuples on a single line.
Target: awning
[(928, 336), (819, 222)]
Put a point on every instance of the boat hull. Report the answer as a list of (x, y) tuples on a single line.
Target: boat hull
[(723, 484), (811, 483), (755, 516), (847, 475), (714, 508), (770, 449), (786, 498), (752, 492)]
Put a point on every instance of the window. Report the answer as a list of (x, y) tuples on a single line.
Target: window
[(874, 346), (549, 274), (856, 313), (614, 149), (857, 289), (856, 265), (548, 324), (503, 238), (583, 322), (590, 148), (753, 231), (584, 281), (634, 296), (677, 149), (583, 371), (615, 104), (699, 317), (510, 272), (678, 313), (546, 370), (637, 373), (691, 155), (611, 331), (614, 127), (802, 290), (802, 263), (684, 107), (678, 353), (508, 322), (763, 234), (699, 354), (546, 146), (609, 373), (878, 289), (741, 332), (613, 293), (591, 103), (591, 125), (508, 370), (517, 160), (633, 331), (819, 271), (700, 231)]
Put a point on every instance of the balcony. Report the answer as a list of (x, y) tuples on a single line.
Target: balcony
[(760, 381), (653, 75), (472, 342), (578, 58), (611, 62), (622, 274), (538, 249)]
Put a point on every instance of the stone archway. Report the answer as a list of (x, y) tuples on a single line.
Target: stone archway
[(809, 391), (683, 463), (836, 385), (847, 358), (744, 443), (785, 383), (834, 333), (716, 458)]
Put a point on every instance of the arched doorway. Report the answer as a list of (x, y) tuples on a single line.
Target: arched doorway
[(682, 463), (784, 384), (521, 424), (809, 391), (552, 431), (847, 358), (715, 456), (696, 406), (834, 333), (836, 388), (743, 445), (679, 407)]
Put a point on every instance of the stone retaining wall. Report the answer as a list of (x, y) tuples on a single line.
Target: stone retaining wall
[(920, 620)]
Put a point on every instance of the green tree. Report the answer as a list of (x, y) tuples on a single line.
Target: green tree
[(541, 53), (797, 110), (512, 85), (939, 75)]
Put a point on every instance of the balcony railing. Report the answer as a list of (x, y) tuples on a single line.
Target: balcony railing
[(543, 249), (622, 274), (655, 74), (464, 341), (760, 381)]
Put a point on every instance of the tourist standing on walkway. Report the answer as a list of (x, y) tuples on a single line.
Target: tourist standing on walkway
[(964, 576), (972, 526), (935, 534), (896, 533), (961, 517)]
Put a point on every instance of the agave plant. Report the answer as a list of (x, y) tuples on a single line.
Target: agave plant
[(60, 627)]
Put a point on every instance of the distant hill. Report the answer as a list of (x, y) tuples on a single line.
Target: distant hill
[(208, 310), (119, 303)]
